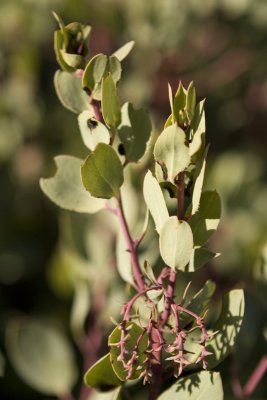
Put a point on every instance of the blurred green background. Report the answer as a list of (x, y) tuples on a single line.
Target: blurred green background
[(219, 44)]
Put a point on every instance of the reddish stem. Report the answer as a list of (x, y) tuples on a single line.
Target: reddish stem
[(96, 107), (138, 276)]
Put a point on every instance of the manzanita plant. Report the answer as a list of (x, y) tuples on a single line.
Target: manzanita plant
[(165, 345)]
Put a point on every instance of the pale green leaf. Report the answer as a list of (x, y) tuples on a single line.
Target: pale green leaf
[(110, 103), (155, 201), (114, 68), (59, 42), (41, 355), (123, 51), (134, 131), (199, 179), (65, 188), (199, 257), (101, 375), (198, 127), (70, 93), (176, 243), (171, 152), (123, 260), (228, 327), (92, 131), (206, 220), (80, 308), (74, 61), (102, 172), (191, 101), (94, 72), (179, 101), (203, 385), (134, 332)]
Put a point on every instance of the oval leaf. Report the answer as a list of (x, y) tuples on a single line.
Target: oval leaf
[(171, 152), (66, 189), (155, 201), (134, 132), (70, 93), (123, 51), (176, 243), (228, 327), (42, 356), (110, 103), (134, 332), (206, 220), (204, 385), (102, 172), (101, 375), (94, 72), (92, 131)]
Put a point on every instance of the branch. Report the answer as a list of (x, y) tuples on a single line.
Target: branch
[(138, 276)]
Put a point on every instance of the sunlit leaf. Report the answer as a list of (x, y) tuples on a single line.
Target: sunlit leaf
[(176, 243), (227, 327), (198, 129), (155, 201), (199, 179), (110, 103), (134, 332), (75, 61), (123, 51), (171, 152), (65, 188), (101, 375), (191, 101), (134, 131), (123, 260), (102, 172), (199, 257), (206, 220), (203, 385), (42, 356), (92, 131), (94, 73), (70, 93)]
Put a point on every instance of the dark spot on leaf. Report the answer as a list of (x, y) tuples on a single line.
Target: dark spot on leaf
[(91, 123), (121, 149), (87, 90)]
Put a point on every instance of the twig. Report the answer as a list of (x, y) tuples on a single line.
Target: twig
[(138, 276)]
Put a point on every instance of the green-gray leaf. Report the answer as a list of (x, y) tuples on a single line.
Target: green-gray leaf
[(191, 101), (102, 172), (171, 152), (203, 385), (134, 331), (199, 303), (134, 131), (206, 220), (199, 257), (110, 103), (70, 93), (42, 356), (101, 375), (198, 131), (123, 51), (199, 179), (176, 243), (155, 201), (228, 327), (65, 188), (94, 72), (92, 131)]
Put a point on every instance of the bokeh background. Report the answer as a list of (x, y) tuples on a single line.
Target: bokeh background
[(219, 44)]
